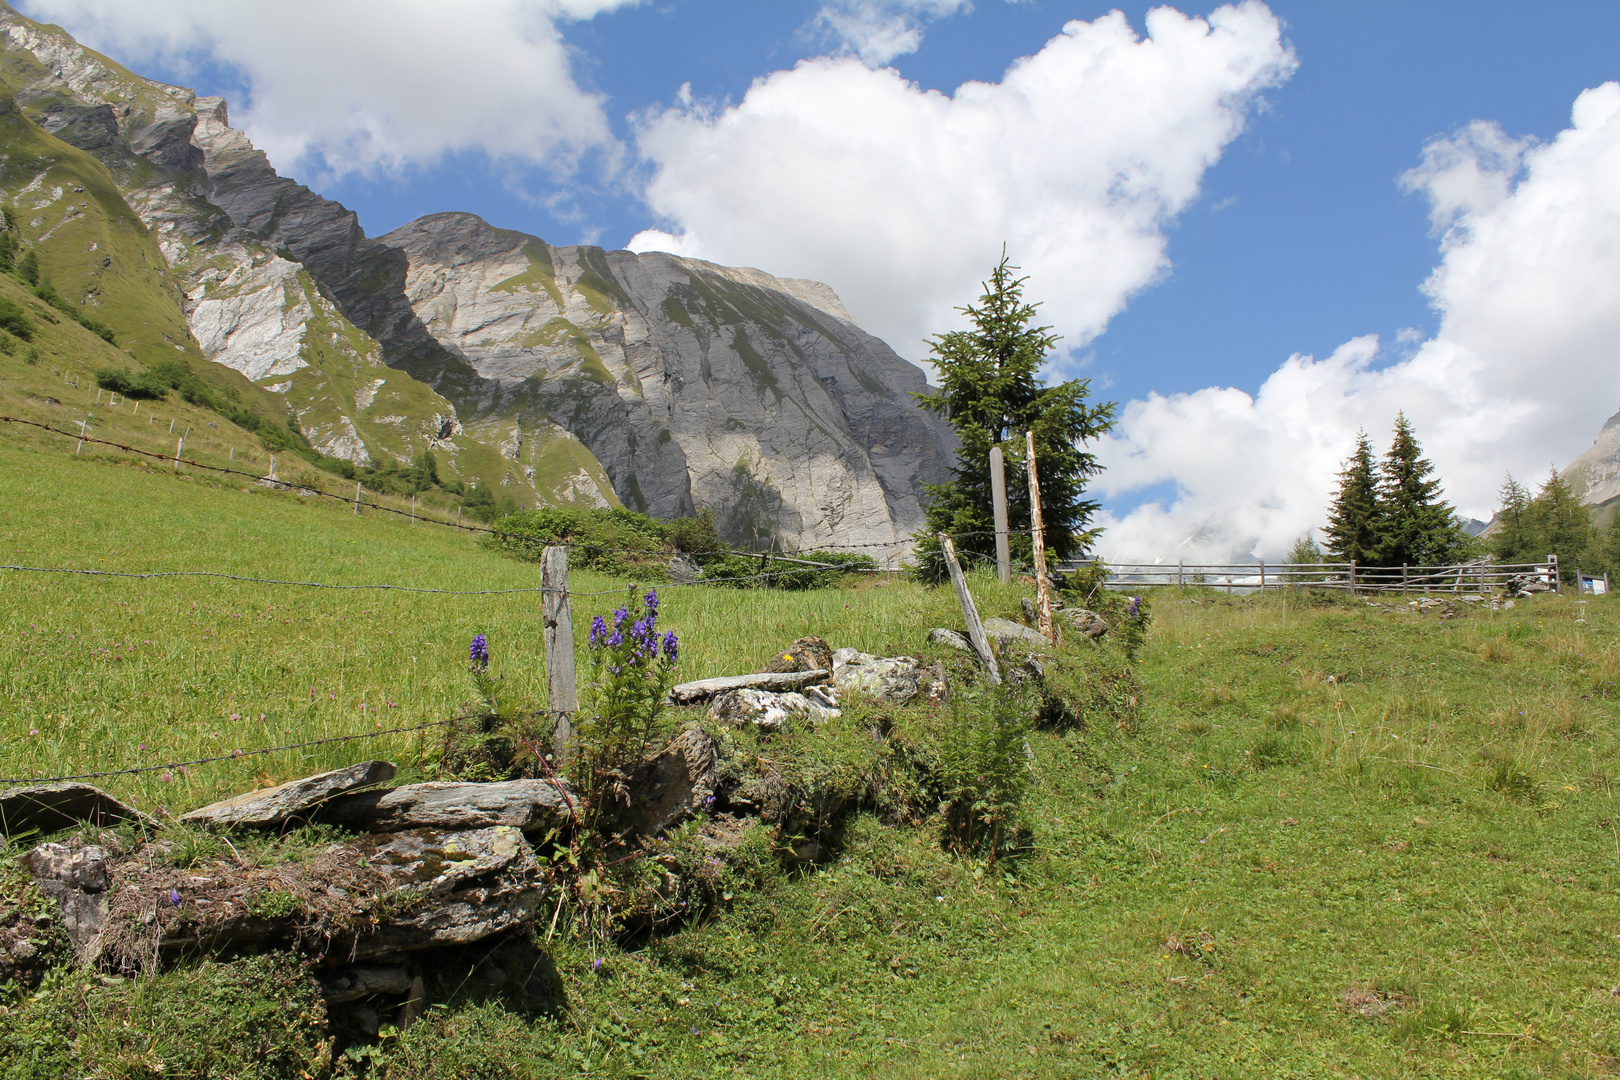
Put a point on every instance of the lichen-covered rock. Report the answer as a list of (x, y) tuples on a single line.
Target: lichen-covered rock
[(530, 805), (765, 709), (271, 807), (1005, 630), (953, 639), (670, 786), (805, 654), (895, 679), (1088, 623), (74, 877)]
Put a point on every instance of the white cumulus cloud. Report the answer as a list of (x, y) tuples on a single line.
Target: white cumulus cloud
[(371, 84), (1520, 374), (901, 198)]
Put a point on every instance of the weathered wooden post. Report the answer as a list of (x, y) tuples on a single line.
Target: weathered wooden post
[(558, 622), (1043, 589), (998, 500), (178, 446), (970, 612), (358, 484)]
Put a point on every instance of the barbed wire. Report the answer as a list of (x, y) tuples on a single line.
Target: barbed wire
[(236, 755)]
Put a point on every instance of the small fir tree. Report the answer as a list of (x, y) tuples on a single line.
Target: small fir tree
[(1355, 523), (1418, 527), (991, 394), (1514, 539)]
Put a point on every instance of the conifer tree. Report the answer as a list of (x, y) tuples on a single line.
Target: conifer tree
[(1514, 539), (991, 394), (1562, 525), (1418, 527), (1355, 528)]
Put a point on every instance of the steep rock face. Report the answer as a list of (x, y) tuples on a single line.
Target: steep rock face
[(1595, 474), (575, 374), (693, 384)]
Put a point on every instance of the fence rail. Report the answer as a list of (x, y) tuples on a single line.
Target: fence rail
[(1255, 577)]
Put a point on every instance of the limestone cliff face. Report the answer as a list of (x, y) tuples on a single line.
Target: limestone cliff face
[(1595, 474), (576, 374)]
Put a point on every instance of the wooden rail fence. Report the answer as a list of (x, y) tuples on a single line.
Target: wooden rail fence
[(1254, 577)]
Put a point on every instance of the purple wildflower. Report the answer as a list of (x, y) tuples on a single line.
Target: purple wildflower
[(479, 652), (616, 638), (596, 965), (620, 617), (1134, 608), (669, 646), (599, 630), (174, 897), (651, 601)]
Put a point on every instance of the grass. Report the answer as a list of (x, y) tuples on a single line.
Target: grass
[(1344, 840)]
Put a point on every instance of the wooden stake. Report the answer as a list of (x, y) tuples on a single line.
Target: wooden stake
[(1043, 590), (998, 502), (357, 486), (178, 446), (413, 509), (171, 427), (970, 612), (458, 517), (558, 623), (82, 425)]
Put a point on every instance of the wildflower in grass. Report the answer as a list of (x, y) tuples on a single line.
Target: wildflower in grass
[(479, 651), (174, 897), (632, 668)]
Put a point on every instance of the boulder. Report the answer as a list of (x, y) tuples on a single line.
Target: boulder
[(954, 639), (765, 709), (895, 679), (695, 693), (670, 786), (48, 808), (529, 805), (1088, 623), (1005, 630), (75, 879), (805, 654), (684, 570), (272, 807)]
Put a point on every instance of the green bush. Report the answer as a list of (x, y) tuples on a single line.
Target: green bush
[(609, 541), (985, 771), (144, 386), (13, 320)]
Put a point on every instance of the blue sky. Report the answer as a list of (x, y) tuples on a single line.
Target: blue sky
[(1264, 212)]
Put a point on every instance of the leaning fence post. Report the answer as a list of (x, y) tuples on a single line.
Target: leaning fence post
[(558, 623), (1043, 590), (970, 611), (998, 501)]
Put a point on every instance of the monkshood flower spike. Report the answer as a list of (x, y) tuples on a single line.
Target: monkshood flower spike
[(479, 652)]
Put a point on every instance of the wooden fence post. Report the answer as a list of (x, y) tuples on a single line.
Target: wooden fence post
[(179, 446), (970, 612), (558, 623), (1043, 590), (358, 484), (998, 501), (1262, 577)]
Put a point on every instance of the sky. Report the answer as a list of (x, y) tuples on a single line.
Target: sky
[(1258, 228)]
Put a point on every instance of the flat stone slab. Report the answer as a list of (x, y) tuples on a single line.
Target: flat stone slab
[(49, 808), (271, 807), (1007, 630), (693, 693), (529, 805)]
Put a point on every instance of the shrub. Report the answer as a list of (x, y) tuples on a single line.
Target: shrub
[(609, 541), (145, 386), (13, 320)]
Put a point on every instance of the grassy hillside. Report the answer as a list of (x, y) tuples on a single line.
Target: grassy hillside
[(1342, 840)]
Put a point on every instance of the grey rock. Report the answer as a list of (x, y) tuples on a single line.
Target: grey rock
[(694, 693), (765, 709), (466, 887), (683, 570), (75, 880), (49, 808), (805, 654), (1005, 630), (954, 639), (1028, 607), (895, 679), (354, 983), (529, 805), (275, 806), (670, 786), (1088, 623)]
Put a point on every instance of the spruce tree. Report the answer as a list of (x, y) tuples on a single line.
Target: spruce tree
[(1563, 526), (1418, 527), (1514, 538), (1355, 527), (991, 394)]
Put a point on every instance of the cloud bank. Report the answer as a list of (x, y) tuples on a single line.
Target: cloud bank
[(1520, 374), (901, 198), (367, 85), (877, 31)]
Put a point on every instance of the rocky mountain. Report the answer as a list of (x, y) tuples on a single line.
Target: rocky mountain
[(1594, 475), (568, 375)]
